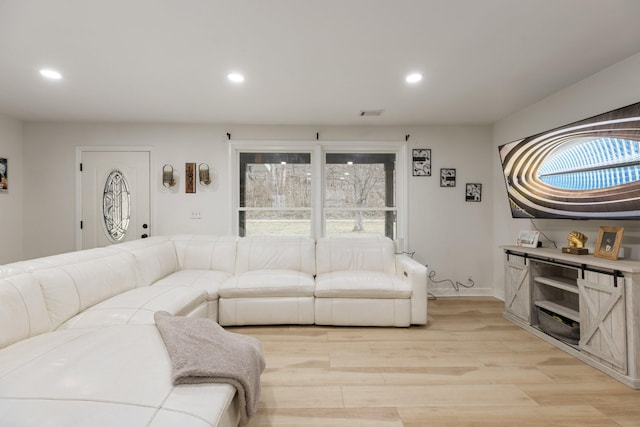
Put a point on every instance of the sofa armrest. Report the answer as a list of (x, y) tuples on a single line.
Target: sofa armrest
[(415, 273)]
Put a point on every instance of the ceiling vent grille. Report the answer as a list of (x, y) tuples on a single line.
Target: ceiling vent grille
[(371, 113)]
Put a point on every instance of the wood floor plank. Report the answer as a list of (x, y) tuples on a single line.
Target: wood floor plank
[(465, 375), (301, 397), (534, 416), (399, 396), (337, 417), (325, 377)]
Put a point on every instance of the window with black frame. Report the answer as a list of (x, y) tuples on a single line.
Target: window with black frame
[(275, 194), (359, 194)]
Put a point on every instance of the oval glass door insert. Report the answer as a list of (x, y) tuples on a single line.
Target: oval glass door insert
[(116, 205)]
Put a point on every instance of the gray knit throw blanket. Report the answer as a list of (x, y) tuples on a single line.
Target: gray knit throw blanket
[(201, 351)]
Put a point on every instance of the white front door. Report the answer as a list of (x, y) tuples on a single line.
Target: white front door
[(115, 197)]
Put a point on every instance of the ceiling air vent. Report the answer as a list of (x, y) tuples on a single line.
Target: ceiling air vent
[(371, 113)]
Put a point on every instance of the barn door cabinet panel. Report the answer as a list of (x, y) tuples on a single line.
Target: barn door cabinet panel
[(603, 319), (517, 292), (587, 306)]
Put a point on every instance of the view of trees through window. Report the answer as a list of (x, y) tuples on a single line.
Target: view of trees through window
[(276, 194), (359, 194)]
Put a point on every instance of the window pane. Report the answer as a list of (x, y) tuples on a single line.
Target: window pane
[(361, 223), (283, 223), (275, 180), (359, 180), (116, 205)]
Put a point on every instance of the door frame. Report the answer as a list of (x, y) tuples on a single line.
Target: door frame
[(80, 150)]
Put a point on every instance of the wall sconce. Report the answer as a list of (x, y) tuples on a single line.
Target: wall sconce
[(203, 174), (168, 180)]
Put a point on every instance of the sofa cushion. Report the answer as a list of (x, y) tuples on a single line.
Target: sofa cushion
[(361, 284), (71, 288), (268, 283), (155, 258), (138, 306), (355, 253), (14, 269), (206, 252), (267, 311), (205, 280), (57, 260), (23, 312), (363, 311), (276, 253)]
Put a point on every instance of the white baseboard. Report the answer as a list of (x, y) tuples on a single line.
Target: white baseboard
[(462, 292)]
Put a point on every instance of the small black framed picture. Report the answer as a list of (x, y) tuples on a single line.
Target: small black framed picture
[(473, 192), (4, 175), (447, 177), (421, 161)]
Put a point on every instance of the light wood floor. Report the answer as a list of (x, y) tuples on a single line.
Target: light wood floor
[(467, 367)]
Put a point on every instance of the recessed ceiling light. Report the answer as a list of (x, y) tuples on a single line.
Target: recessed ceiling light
[(50, 74), (413, 78), (235, 77)]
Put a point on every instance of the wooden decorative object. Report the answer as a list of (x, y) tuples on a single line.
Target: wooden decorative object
[(575, 251), (190, 169), (608, 243)]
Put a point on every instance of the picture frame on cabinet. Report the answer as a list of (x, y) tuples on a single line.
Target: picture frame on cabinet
[(421, 161), (608, 242), (528, 239), (447, 177)]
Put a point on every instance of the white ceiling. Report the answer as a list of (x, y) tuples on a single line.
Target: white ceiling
[(306, 62)]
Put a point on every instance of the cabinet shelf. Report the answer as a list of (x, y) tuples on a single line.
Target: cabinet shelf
[(559, 308), (559, 282)]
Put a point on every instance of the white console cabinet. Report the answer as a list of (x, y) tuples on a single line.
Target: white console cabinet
[(598, 298)]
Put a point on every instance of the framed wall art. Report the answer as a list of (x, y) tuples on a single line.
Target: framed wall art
[(608, 243), (421, 161), (473, 192), (447, 177), (4, 175)]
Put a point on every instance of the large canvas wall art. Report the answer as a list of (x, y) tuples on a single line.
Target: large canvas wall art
[(589, 169)]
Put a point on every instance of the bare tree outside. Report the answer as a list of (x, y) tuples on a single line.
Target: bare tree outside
[(278, 185), (355, 186)]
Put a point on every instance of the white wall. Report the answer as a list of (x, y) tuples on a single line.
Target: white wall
[(11, 248), (50, 211), (450, 235), (614, 87)]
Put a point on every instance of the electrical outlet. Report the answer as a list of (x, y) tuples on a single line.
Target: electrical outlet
[(196, 215)]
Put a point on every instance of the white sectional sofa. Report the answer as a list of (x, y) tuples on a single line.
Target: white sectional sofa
[(78, 344)]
